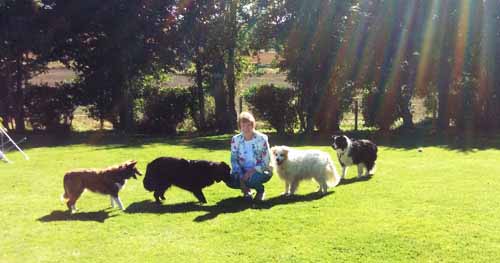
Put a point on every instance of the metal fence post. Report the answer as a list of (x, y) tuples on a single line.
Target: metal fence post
[(356, 115)]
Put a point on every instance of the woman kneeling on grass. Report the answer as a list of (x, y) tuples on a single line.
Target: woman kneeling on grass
[(250, 158)]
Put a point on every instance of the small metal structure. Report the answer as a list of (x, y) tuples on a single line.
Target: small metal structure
[(5, 140)]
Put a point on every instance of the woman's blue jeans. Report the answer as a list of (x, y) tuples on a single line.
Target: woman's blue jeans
[(256, 181)]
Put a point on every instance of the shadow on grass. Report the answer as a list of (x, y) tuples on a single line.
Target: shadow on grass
[(406, 139), (106, 140), (347, 181), (226, 206), (99, 216)]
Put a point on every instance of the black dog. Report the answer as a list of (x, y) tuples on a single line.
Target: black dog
[(355, 152), (190, 175)]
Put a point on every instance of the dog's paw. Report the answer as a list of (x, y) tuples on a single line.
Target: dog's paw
[(248, 197), (322, 192)]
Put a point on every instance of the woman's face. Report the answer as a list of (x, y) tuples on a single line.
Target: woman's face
[(246, 127)]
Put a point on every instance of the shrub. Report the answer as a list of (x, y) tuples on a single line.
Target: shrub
[(165, 108), (276, 105), (51, 108)]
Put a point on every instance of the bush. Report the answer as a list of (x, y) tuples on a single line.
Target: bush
[(276, 105), (164, 109), (51, 108)]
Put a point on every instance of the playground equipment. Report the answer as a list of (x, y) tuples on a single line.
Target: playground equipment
[(6, 140)]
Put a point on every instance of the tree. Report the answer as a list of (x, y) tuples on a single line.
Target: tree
[(203, 28), (488, 71), (111, 44), (217, 35), (398, 39), (22, 41), (311, 34), (446, 45)]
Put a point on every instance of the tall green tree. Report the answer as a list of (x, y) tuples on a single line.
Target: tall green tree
[(111, 44), (309, 35), (204, 30), (488, 71), (447, 16), (218, 34), (395, 56), (21, 44)]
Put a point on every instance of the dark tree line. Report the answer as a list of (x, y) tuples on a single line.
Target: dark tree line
[(386, 52)]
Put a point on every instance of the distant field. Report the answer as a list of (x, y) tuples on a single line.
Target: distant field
[(53, 75), (58, 73), (439, 205)]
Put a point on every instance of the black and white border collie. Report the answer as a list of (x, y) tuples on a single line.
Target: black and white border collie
[(362, 153)]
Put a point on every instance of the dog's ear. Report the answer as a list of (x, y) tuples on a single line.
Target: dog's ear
[(285, 151), (226, 166), (131, 163)]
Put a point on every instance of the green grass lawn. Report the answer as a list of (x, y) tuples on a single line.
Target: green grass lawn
[(442, 204)]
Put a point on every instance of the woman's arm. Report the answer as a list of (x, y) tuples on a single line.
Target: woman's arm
[(264, 156), (234, 157)]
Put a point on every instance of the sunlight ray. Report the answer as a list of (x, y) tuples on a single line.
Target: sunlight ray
[(461, 40), (392, 84), (427, 48), (487, 64)]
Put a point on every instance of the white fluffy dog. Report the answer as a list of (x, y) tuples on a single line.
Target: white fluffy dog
[(294, 166)]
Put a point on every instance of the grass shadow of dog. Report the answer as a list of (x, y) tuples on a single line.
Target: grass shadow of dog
[(230, 205), (58, 215), (151, 207), (355, 180), (283, 200), (226, 206)]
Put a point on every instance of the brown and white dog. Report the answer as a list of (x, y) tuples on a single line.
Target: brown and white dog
[(106, 181)]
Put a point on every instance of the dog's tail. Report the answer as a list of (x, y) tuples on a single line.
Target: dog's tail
[(64, 197), (148, 178), (333, 178)]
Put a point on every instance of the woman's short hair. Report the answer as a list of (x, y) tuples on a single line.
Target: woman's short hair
[(246, 117)]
